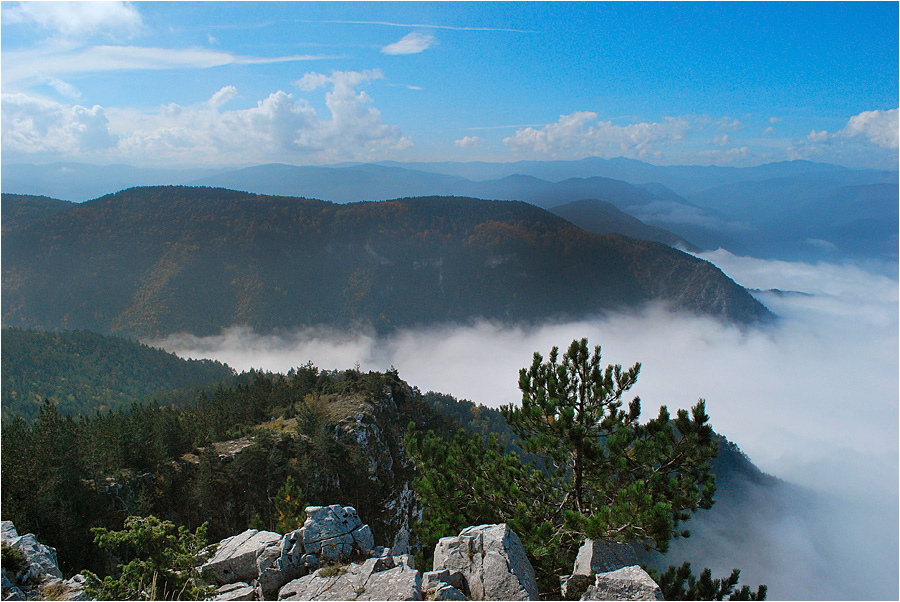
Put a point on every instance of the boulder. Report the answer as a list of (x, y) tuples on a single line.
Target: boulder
[(399, 583), (7, 530), (492, 561), (603, 556), (447, 592), (432, 580), (363, 540), (235, 591), (328, 532), (375, 579), (40, 560), (574, 586), (629, 583), (326, 522), (279, 563), (235, 558)]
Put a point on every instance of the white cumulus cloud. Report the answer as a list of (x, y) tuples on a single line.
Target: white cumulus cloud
[(76, 18), (279, 126), (412, 43), (878, 127), (815, 136), (468, 142), (34, 125), (581, 134)]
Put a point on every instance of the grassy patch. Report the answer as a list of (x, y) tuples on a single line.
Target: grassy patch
[(332, 570)]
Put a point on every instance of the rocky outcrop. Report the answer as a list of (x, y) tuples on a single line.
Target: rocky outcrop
[(40, 560), (596, 556), (607, 570), (235, 558), (9, 590), (604, 555), (39, 577), (257, 564), (629, 583), (492, 562), (375, 579), (333, 532), (236, 591), (377, 427)]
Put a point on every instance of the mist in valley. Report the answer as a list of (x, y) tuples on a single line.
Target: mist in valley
[(811, 399)]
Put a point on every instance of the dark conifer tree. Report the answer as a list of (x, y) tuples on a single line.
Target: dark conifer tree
[(624, 480)]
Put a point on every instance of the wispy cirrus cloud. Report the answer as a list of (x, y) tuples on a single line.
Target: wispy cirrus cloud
[(411, 43), (26, 65), (422, 26)]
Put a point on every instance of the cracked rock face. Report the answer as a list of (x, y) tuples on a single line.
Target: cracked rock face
[(375, 579), (492, 560)]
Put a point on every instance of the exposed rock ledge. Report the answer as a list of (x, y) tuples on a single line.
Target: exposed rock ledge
[(333, 557)]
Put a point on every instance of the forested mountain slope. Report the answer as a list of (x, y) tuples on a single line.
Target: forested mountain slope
[(153, 261), (83, 372), (20, 210)]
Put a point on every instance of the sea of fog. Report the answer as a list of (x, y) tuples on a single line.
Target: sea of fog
[(812, 399)]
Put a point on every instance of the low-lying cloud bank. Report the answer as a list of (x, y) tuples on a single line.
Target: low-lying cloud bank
[(812, 399)]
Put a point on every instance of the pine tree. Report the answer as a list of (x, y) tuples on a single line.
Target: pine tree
[(289, 507), (160, 562), (679, 583), (624, 480)]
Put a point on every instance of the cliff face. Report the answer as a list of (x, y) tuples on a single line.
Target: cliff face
[(376, 429)]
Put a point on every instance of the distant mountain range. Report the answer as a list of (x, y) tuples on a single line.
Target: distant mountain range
[(794, 210), (604, 218), (157, 260)]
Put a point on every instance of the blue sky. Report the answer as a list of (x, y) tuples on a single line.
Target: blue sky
[(236, 83)]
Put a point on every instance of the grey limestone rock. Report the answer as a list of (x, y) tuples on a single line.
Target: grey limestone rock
[(329, 532), (364, 540), (447, 592), (357, 582), (71, 590), (40, 560), (432, 580), (603, 556), (492, 561), (327, 522), (235, 558), (574, 586), (629, 583), (7, 530), (236, 591)]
